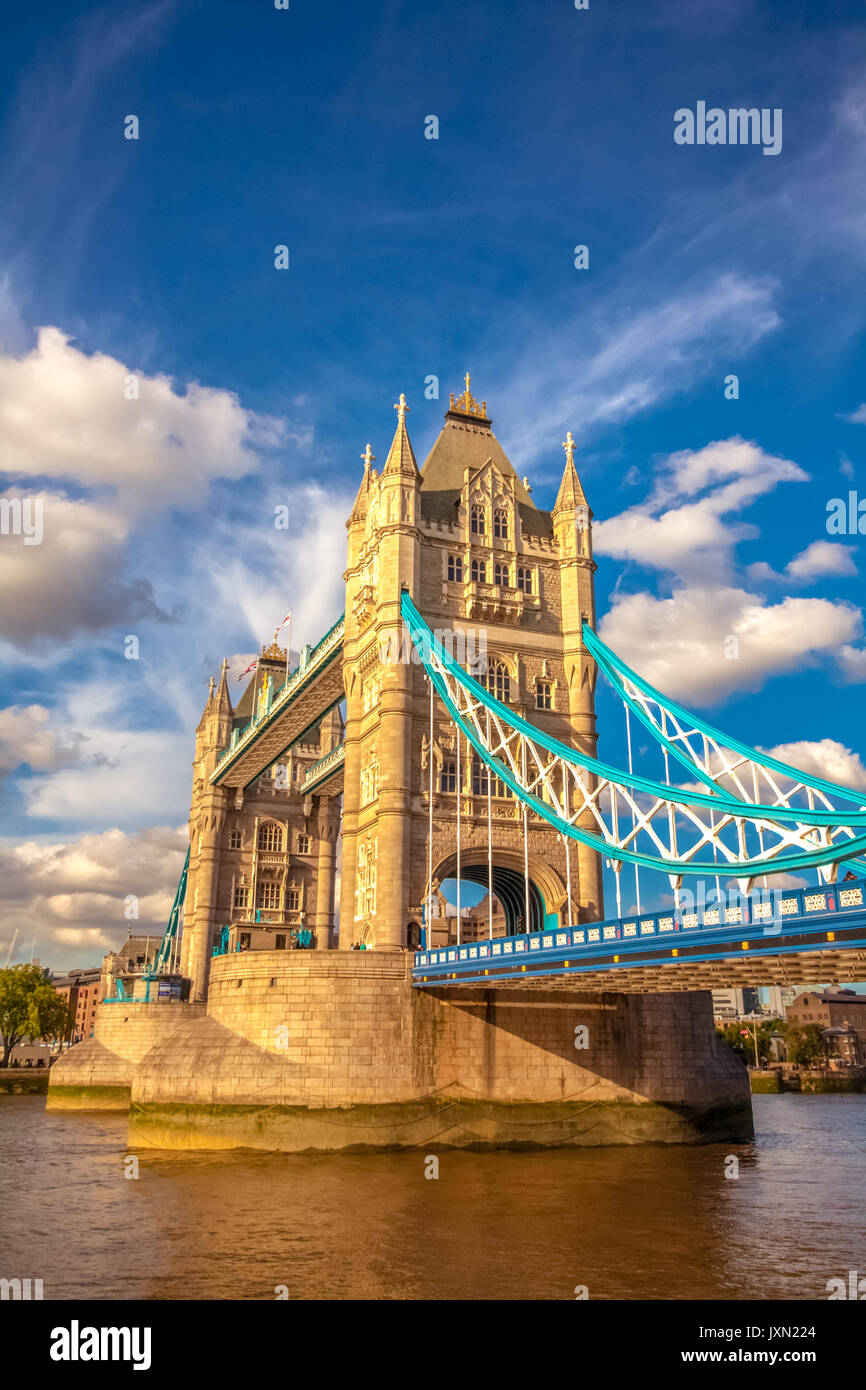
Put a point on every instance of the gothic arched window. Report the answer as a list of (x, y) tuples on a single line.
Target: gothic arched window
[(543, 695), (500, 524), (497, 681), (478, 572), (501, 577), (524, 579), (455, 568), (268, 895), (270, 837), (483, 781), (477, 521)]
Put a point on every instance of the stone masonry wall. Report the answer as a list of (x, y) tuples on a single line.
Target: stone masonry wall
[(334, 1050), (97, 1074)]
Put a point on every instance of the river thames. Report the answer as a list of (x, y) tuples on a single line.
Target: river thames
[(626, 1223)]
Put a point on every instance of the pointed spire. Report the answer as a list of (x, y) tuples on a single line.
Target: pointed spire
[(222, 702), (359, 509), (208, 709), (400, 458), (571, 497)]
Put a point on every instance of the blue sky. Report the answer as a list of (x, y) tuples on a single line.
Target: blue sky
[(409, 257)]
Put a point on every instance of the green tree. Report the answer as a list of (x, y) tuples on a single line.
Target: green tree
[(740, 1036), (30, 1007), (804, 1043)]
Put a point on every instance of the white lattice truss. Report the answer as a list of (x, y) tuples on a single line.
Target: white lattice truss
[(741, 774), (669, 828)]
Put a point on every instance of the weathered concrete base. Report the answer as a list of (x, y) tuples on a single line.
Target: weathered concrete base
[(432, 1125), (23, 1081), (97, 1074), (328, 1051)]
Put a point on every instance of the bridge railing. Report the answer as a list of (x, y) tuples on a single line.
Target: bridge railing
[(322, 651), (727, 918), (335, 758)]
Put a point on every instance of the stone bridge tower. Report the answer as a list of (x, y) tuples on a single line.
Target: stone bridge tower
[(263, 856), (508, 585)]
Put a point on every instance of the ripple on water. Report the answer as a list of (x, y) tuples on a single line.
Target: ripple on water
[(643, 1222)]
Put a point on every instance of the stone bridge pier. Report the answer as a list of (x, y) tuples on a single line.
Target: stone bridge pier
[(335, 1051)]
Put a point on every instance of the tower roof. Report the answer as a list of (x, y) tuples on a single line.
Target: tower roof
[(359, 510), (222, 703), (466, 440), (208, 709), (400, 458), (272, 662), (571, 496)]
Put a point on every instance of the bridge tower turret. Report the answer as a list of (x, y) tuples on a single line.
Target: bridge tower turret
[(572, 528), (510, 586), (384, 556), (206, 820)]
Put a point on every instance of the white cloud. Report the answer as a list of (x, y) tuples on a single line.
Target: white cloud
[(852, 664), (75, 579), (240, 578), (818, 559), (679, 643), (823, 758), (254, 574), (71, 895), (821, 557), (26, 738), (141, 775), (64, 414), (105, 467), (627, 359), (858, 416), (679, 530)]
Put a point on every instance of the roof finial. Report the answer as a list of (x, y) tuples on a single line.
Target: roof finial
[(225, 665), (467, 404), (402, 409), (210, 688), (568, 446), (369, 457)]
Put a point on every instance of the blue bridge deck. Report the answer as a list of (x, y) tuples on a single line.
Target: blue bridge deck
[(787, 922)]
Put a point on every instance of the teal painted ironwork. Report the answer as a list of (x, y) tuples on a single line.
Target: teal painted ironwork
[(613, 666), (328, 646), (717, 801), (170, 934), (428, 645)]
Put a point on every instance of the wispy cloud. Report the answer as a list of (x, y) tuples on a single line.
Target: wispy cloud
[(41, 165), (605, 367)]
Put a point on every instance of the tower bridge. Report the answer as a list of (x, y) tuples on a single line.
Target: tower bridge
[(381, 750)]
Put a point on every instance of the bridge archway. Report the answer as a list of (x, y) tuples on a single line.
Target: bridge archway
[(546, 889)]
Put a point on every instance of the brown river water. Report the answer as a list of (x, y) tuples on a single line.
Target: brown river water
[(628, 1223)]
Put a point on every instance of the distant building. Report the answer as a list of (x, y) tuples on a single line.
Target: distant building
[(846, 1044), (778, 998), (474, 922), (131, 960), (830, 1008), (730, 1004), (81, 989)]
